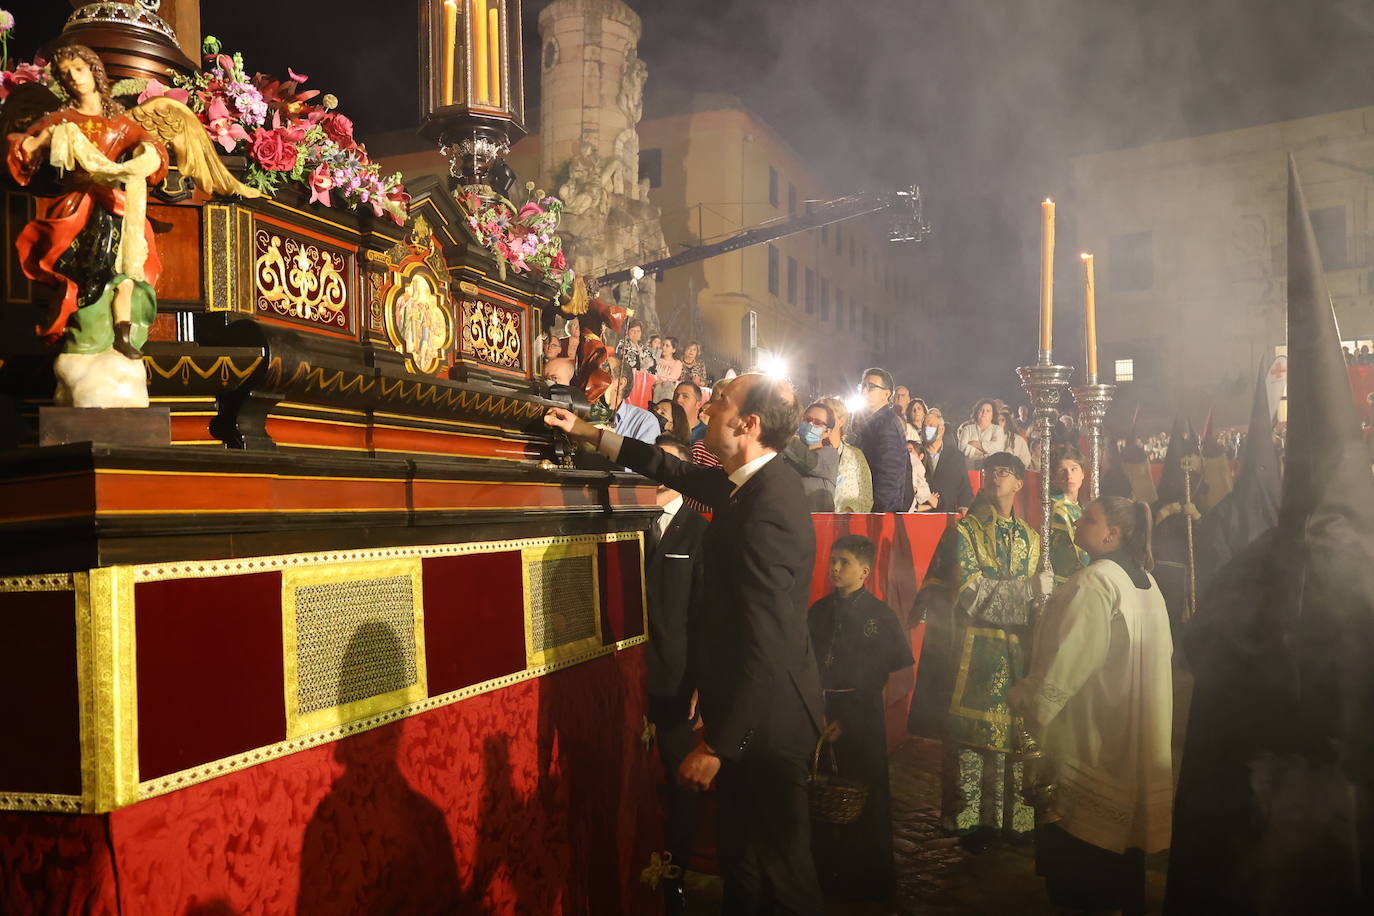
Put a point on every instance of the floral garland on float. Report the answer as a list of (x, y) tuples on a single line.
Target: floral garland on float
[(525, 239), (284, 133)]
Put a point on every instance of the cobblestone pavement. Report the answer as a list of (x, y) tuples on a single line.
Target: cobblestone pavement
[(935, 877)]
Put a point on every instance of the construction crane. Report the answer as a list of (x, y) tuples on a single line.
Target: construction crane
[(908, 225)]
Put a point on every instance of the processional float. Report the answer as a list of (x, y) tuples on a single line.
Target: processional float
[(337, 535)]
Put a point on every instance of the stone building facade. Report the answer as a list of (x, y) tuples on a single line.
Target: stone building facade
[(1190, 242)]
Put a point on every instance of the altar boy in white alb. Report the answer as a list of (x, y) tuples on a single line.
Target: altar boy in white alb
[(1099, 700)]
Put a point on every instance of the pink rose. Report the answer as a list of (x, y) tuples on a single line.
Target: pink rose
[(338, 128), (273, 151)]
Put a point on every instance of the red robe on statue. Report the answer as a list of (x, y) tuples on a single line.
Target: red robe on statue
[(43, 241)]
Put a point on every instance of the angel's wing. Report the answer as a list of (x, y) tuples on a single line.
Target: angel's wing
[(178, 127)]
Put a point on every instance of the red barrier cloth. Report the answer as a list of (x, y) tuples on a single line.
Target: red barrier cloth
[(906, 545), (642, 389), (1362, 386)]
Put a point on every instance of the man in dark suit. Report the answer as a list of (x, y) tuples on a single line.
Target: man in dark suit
[(749, 652), (946, 469), (672, 573), (881, 436)]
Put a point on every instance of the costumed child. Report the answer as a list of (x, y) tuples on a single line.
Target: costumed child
[(858, 642)]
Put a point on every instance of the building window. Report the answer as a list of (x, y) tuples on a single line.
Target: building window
[(825, 235), (825, 299), (851, 251), (854, 311), (791, 281), (839, 240), (839, 308), (772, 186), (791, 200), (1132, 263), (773, 269), (1328, 224), (809, 291), (1125, 370), (651, 166)]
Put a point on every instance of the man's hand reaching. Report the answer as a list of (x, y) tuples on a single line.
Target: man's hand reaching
[(571, 424)]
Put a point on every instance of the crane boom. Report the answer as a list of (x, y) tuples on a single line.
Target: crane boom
[(908, 225)]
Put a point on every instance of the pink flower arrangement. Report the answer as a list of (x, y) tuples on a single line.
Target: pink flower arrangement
[(286, 136), (525, 239)]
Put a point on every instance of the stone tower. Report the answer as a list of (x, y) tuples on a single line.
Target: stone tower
[(592, 96)]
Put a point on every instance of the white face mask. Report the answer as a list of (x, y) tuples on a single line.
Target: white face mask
[(930, 433)]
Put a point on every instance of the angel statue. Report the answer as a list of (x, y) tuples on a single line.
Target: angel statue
[(91, 247)]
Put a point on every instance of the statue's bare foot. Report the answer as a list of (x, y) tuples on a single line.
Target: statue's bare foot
[(121, 341)]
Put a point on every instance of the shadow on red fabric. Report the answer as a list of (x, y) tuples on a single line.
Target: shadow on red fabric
[(581, 740), (374, 844)]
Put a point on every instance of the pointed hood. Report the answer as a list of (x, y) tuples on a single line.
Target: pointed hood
[(1207, 442), (1135, 464), (1252, 506), (1170, 488), (1133, 451), (1272, 813)]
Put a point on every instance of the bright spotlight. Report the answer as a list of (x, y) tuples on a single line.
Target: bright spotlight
[(772, 364), (856, 403)]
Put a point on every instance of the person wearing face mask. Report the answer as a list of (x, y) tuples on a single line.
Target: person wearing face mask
[(853, 480), (946, 469), (815, 458)]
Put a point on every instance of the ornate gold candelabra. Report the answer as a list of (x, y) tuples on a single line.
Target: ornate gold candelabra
[(1092, 401)]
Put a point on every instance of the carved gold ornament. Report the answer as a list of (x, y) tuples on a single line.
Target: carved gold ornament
[(491, 334), (299, 279)]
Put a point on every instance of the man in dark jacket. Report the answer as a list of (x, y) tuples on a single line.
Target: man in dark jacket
[(882, 439), (672, 574), (946, 468), (749, 650)]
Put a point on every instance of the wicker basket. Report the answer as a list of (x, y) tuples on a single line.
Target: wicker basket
[(834, 799)]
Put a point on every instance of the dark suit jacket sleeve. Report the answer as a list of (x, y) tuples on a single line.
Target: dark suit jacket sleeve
[(885, 447), (768, 575), (710, 486)]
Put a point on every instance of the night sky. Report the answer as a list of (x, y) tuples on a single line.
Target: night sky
[(981, 102)]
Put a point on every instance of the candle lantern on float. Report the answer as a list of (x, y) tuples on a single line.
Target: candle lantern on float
[(472, 99)]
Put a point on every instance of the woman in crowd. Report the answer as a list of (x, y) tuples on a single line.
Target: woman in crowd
[(924, 500), (1099, 701), (669, 369), (1016, 443), (853, 479), (633, 353), (673, 419), (980, 436), (692, 366), (915, 420), (1066, 480), (814, 457)]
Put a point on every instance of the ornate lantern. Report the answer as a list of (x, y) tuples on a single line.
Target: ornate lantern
[(472, 98)]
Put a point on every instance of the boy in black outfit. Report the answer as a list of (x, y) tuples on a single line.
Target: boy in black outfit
[(858, 642)]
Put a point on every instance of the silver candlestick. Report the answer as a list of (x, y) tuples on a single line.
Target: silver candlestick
[(1044, 384), (1092, 401)]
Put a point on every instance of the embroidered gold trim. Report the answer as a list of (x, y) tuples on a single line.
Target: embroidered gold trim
[(107, 687), (41, 802), (206, 569), (56, 582)]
